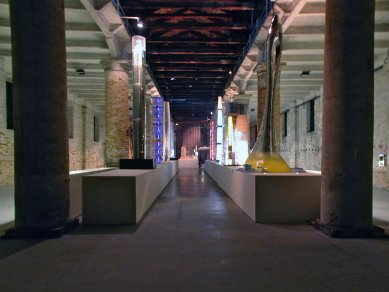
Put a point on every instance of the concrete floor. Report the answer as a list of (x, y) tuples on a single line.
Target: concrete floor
[(196, 239)]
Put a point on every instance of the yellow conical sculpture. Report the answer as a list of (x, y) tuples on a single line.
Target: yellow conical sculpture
[(267, 162), (265, 156)]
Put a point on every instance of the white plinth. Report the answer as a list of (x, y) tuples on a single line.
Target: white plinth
[(122, 196), (75, 189), (272, 197)]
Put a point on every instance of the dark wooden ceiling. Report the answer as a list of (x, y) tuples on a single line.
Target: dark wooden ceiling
[(195, 47)]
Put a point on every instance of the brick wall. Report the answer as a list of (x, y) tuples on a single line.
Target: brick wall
[(302, 149), (381, 126), (94, 150), (75, 142), (90, 154), (6, 136), (87, 155)]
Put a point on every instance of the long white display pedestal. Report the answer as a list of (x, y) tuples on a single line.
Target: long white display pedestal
[(271, 198), (75, 189), (122, 196)]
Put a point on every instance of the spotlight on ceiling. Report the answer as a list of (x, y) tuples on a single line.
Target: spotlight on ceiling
[(230, 72), (139, 23), (80, 71), (305, 73), (172, 79)]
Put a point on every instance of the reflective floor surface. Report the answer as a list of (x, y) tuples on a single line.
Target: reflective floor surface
[(196, 239)]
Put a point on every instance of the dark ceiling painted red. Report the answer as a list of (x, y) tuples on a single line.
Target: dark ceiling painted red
[(195, 47)]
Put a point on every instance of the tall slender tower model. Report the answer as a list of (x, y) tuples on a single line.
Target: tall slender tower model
[(138, 55), (265, 156)]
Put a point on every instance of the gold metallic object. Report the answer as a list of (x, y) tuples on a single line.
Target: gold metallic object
[(265, 156)]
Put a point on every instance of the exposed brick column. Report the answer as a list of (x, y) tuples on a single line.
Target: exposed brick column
[(346, 193), (277, 108), (261, 77), (40, 97), (116, 112), (262, 81), (84, 110)]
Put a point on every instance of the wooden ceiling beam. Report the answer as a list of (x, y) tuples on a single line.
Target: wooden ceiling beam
[(157, 4), (204, 18), (190, 60), (206, 82), (188, 90), (187, 52), (198, 27), (188, 69), (207, 41), (188, 76)]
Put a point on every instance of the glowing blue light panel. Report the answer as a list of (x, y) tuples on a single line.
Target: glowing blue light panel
[(158, 128)]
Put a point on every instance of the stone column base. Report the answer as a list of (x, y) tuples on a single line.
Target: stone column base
[(40, 233), (343, 232)]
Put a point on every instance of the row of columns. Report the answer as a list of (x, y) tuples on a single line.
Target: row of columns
[(40, 129), (346, 181), (346, 188), (117, 123), (40, 104), (40, 94)]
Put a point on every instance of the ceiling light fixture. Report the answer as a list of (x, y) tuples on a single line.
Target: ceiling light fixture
[(80, 71), (130, 17), (230, 72), (139, 22), (172, 79), (305, 73)]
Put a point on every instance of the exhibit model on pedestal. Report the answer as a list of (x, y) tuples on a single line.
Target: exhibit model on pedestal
[(139, 121), (265, 155), (219, 130), (166, 147)]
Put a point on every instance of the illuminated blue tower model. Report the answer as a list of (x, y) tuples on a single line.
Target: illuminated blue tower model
[(158, 128)]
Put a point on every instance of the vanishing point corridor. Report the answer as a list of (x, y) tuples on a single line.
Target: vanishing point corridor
[(194, 238)]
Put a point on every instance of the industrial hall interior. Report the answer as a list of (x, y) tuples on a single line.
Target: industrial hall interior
[(182, 145)]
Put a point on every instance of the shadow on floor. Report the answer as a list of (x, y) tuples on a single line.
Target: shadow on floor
[(11, 246), (104, 229), (109, 228)]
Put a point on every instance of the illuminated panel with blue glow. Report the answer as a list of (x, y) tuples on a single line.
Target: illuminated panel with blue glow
[(158, 127), (219, 130)]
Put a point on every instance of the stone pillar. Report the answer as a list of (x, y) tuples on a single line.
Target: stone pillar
[(83, 136), (40, 97), (346, 192), (116, 112), (261, 75)]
